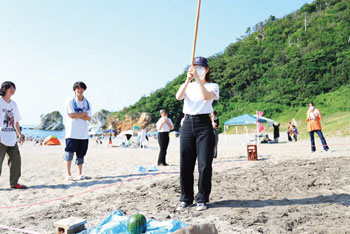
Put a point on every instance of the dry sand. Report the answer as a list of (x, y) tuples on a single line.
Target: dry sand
[(289, 190)]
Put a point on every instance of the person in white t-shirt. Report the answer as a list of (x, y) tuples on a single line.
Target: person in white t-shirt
[(78, 111), (197, 137), (164, 126), (9, 124)]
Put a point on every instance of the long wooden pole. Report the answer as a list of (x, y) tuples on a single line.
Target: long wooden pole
[(195, 31)]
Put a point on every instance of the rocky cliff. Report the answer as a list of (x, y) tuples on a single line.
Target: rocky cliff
[(98, 120), (51, 121), (144, 121)]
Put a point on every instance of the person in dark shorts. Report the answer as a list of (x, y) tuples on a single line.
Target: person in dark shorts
[(78, 111)]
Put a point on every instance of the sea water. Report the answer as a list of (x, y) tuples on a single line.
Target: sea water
[(28, 131)]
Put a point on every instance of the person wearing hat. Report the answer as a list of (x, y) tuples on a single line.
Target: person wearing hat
[(164, 126), (197, 138)]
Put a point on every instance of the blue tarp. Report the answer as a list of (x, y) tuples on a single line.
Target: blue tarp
[(150, 168), (117, 223), (110, 131), (244, 120)]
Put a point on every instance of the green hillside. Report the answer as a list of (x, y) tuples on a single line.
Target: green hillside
[(277, 67), (335, 110)]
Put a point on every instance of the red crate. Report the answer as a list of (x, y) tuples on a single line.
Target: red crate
[(252, 152)]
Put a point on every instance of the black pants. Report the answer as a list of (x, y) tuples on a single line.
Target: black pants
[(163, 141), (196, 140), (216, 134), (289, 137)]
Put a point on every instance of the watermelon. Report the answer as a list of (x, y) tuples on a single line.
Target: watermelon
[(137, 224)]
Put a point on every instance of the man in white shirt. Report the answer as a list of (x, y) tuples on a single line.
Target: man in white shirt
[(164, 126), (78, 111), (9, 125)]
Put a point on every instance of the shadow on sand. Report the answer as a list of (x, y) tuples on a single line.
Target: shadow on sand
[(103, 180), (341, 199)]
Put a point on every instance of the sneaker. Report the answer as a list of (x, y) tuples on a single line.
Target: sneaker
[(84, 177), (182, 206), (201, 206), (18, 186)]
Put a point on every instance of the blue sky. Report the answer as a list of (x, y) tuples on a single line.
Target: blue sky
[(122, 50)]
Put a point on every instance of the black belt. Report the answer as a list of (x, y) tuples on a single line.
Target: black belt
[(197, 116)]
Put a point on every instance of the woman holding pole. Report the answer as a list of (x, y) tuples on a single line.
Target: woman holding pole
[(197, 137)]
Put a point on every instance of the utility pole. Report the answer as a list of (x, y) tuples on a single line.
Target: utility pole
[(289, 39), (305, 21)]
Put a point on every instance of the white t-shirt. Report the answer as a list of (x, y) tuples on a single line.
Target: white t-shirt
[(165, 127), (194, 104), (8, 118), (77, 128)]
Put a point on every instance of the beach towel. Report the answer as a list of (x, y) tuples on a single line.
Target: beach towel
[(117, 223)]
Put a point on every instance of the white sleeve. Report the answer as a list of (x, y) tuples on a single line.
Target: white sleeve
[(215, 89), (317, 113), (69, 107), (158, 124), (171, 122), (185, 90), (17, 114)]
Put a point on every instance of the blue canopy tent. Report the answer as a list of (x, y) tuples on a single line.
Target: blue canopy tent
[(244, 120)]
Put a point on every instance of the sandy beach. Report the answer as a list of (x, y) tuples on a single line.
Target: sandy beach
[(288, 190)]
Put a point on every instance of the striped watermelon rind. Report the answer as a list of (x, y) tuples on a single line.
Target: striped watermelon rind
[(137, 224)]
